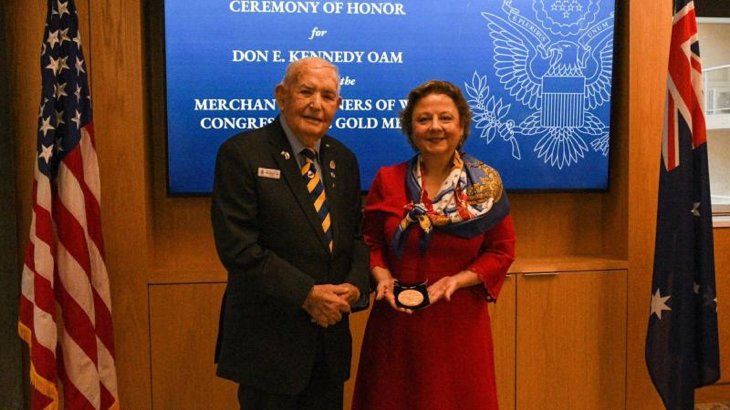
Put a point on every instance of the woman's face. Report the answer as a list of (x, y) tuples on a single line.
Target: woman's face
[(436, 126)]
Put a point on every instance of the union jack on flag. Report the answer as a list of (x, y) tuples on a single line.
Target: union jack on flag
[(684, 86), (65, 303), (682, 351)]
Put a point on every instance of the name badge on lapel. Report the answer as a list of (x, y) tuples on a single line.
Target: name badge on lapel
[(269, 173)]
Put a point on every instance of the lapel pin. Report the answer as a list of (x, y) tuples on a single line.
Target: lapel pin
[(332, 164), (285, 154), (310, 174)]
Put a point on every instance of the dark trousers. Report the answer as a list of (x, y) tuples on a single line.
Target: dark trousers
[(322, 393)]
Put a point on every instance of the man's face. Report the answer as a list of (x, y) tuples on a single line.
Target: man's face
[(309, 103)]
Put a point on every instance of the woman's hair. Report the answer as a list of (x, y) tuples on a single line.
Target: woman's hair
[(436, 87)]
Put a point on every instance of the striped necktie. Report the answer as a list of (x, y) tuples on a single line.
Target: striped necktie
[(316, 192)]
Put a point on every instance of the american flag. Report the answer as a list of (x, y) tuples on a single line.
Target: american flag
[(682, 350), (65, 304)]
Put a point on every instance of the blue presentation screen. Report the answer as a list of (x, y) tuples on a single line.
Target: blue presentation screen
[(537, 74)]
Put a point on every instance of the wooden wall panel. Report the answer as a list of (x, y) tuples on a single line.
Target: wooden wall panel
[(25, 20), (183, 329), (616, 200), (722, 278), (557, 224), (122, 145), (357, 327), (650, 27), (503, 315), (23, 31)]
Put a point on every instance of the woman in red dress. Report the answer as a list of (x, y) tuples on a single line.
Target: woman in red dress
[(440, 219)]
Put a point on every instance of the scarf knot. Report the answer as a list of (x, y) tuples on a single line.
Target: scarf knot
[(471, 201)]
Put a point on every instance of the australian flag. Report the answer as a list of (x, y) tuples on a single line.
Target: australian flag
[(682, 350)]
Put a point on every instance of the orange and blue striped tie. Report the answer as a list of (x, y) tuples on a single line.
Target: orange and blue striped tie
[(316, 192)]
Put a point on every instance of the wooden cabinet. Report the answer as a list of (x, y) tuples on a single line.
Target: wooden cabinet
[(571, 340), (559, 343), (503, 315)]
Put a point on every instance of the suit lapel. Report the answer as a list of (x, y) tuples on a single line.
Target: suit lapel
[(282, 153)]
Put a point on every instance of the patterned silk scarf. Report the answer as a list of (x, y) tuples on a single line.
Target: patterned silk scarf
[(470, 202)]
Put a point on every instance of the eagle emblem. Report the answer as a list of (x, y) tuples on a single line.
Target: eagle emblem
[(558, 67)]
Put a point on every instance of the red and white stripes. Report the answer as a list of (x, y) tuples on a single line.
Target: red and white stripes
[(65, 287)]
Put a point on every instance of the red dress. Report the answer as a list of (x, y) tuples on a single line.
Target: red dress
[(440, 357)]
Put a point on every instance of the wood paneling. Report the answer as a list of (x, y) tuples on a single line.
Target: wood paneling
[(503, 315), (722, 279), (615, 201), (122, 146), (650, 27), (571, 341), (25, 20), (357, 327), (557, 224), (183, 329)]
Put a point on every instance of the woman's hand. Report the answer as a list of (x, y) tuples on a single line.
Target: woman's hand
[(446, 286), (384, 290), (442, 288)]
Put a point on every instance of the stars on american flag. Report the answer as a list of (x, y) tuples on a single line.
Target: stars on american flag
[(62, 64), (52, 38), (79, 65), (46, 126), (64, 36), (63, 8), (59, 117), (77, 119), (43, 107), (64, 276), (53, 65), (47, 153), (59, 90), (65, 106)]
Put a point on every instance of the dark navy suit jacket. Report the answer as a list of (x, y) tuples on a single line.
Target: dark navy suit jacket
[(270, 240)]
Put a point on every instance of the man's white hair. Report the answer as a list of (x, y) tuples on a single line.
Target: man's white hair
[(293, 70)]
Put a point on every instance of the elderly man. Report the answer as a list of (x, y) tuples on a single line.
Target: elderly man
[(286, 213)]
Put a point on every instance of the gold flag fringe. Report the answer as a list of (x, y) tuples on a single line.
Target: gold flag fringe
[(44, 386)]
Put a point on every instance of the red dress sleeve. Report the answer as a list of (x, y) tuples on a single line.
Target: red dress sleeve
[(496, 255), (374, 223)]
